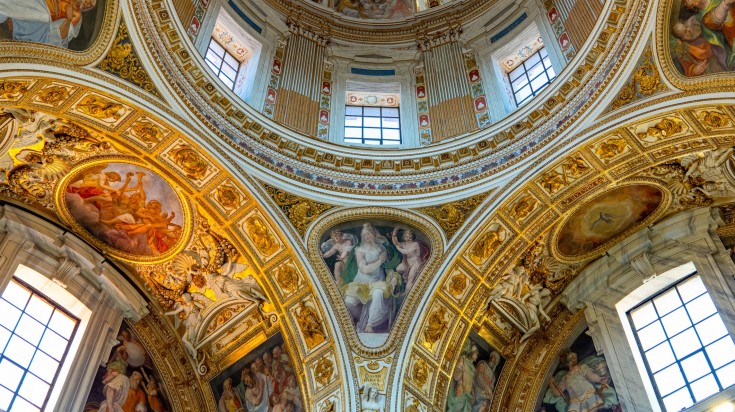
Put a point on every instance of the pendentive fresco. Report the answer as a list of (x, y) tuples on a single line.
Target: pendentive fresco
[(702, 36), (473, 382)]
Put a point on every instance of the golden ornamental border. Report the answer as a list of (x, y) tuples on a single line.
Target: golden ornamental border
[(68, 219), (326, 279), (661, 209)]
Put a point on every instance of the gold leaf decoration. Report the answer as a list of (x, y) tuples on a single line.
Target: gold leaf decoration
[(451, 216), (123, 62), (644, 82), (301, 212)]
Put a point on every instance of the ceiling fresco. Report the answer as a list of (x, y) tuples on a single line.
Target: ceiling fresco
[(328, 306)]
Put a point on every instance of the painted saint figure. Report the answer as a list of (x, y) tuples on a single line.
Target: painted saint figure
[(415, 254)]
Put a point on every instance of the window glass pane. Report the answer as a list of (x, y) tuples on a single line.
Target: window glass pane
[(34, 389), (535, 71), (229, 72), (30, 330), (353, 121), (53, 344), (353, 110), (519, 82), (372, 133), (10, 315), (4, 338), (21, 405), (704, 387), (391, 134), (651, 335), (532, 61), (678, 400), (669, 379), (660, 357), (390, 112), (231, 61), (372, 121), (5, 397), (515, 73), (373, 142), (353, 132), (551, 73), (19, 351), (701, 308), (227, 82), (17, 295), (711, 329), (721, 352), (216, 48), (44, 366), (371, 111), (667, 302), (523, 93), (726, 375), (685, 343), (10, 375), (695, 366), (543, 52), (391, 123), (62, 324), (643, 315), (691, 288), (349, 140), (391, 142), (676, 322), (539, 83), (212, 66), (39, 309)]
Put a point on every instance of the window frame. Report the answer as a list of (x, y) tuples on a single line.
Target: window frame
[(219, 64), (528, 81), (382, 141), (63, 358), (678, 361)]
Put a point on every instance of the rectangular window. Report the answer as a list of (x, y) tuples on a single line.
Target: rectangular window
[(379, 126), (686, 347), (34, 339), (222, 63), (531, 76)]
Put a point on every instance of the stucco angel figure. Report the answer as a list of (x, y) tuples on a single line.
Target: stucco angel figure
[(535, 299), (511, 284), (707, 170), (221, 282), (188, 312), (371, 400)]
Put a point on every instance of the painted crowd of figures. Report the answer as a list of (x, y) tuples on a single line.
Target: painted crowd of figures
[(267, 383), (373, 273), (376, 9), (129, 382), (703, 36), (474, 379)]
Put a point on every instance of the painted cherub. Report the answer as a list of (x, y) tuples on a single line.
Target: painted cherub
[(340, 244)]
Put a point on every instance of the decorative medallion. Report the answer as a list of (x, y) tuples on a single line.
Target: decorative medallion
[(125, 209), (602, 221)]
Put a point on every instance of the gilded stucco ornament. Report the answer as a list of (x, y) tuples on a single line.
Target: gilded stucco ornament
[(53, 95), (324, 371), (665, 128), (714, 119), (310, 324), (420, 372), (300, 211), (436, 327), (123, 61), (611, 148), (262, 236), (190, 161), (644, 82), (565, 174), (11, 89), (488, 244), (452, 216), (101, 108)]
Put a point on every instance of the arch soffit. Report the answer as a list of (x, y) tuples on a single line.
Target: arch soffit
[(615, 154), (222, 206)]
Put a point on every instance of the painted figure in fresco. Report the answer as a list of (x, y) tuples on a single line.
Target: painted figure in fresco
[(700, 56), (367, 289), (484, 383), (136, 400), (116, 387), (229, 401), (340, 244), (375, 9), (415, 254), (52, 22), (461, 397), (581, 388), (255, 389), (151, 391)]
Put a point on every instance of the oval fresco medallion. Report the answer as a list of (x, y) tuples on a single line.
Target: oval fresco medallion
[(375, 264), (598, 223), (125, 209)]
